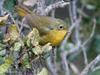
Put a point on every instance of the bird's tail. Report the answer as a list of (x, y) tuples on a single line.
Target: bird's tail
[(22, 10)]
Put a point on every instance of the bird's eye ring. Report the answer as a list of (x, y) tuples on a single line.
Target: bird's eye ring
[(60, 27)]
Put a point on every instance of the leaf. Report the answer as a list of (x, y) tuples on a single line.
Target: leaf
[(12, 33), (25, 61), (82, 13), (69, 46), (91, 7), (34, 37), (9, 5), (1, 46), (44, 71), (28, 42), (37, 50), (2, 52), (47, 48), (33, 32), (1, 60), (42, 49), (3, 19), (5, 66), (17, 46)]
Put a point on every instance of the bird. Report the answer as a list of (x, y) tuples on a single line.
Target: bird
[(52, 30)]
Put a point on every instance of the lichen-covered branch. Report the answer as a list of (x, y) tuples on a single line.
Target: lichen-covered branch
[(59, 4)]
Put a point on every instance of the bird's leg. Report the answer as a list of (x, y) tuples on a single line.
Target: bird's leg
[(53, 54)]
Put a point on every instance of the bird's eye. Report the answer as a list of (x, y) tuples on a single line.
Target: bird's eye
[(61, 27)]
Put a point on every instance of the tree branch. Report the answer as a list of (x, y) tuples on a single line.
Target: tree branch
[(90, 66), (59, 4)]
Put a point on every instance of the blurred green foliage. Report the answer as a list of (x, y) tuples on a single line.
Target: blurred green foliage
[(97, 72), (9, 5)]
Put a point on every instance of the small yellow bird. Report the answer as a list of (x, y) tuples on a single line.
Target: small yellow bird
[(51, 30)]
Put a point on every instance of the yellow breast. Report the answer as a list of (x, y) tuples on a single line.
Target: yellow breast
[(54, 37)]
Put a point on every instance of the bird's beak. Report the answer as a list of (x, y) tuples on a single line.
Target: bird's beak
[(68, 32)]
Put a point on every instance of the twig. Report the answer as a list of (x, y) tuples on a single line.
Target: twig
[(74, 68), (22, 25), (10, 15), (76, 49), (40, 7), (63, 53), (60, 4), (92, 33), (52, 62), (1, 7), (53, 11), (85, 56), (68, 34), (89, 67), (96, 68), (65, 63), (12, 19), (50, 66), (83, 48)]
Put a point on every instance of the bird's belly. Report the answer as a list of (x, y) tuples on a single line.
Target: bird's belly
[(56, 37)]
